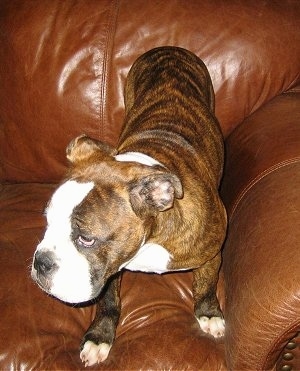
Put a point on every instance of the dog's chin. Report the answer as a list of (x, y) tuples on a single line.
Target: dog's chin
[(73, 295), (69, 298), (66, 292), (72, 300)]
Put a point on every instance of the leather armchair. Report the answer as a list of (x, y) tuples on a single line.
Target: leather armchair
[(62, 72)]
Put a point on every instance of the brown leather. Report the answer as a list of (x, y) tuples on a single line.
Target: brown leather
[(62, 73), (72, 59), (261, 255)]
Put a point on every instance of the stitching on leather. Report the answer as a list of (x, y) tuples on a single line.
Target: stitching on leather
[(258, 178), (112, 23)]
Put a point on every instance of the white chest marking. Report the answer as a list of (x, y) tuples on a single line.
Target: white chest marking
[(139, 157), (150, 258)]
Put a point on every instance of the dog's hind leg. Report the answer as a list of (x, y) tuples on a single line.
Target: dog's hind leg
[(207, 308)]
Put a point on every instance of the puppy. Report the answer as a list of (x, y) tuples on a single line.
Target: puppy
[(151, 205)]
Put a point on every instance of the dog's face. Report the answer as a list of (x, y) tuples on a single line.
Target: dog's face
[(98, 219)]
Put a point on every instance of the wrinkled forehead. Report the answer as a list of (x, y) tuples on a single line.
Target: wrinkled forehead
[(66, 198)]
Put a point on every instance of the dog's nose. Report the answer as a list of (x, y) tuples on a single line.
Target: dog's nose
[(44, 262)]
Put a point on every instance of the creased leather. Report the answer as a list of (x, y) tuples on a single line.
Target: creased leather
[(62, 73)]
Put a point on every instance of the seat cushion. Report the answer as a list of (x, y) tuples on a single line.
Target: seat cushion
[(157, 327)]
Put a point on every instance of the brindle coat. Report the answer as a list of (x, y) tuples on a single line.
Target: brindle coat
[(169, 104)]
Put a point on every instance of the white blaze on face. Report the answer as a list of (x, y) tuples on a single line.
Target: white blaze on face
[(71, 281)]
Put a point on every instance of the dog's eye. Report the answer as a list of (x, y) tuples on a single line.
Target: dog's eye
[(86, 242)]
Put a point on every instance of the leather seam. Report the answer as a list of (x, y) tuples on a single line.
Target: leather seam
[(112, 22), (292, 329), (293, 90), (261, 176)]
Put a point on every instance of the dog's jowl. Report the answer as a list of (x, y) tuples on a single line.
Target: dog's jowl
[(150, 205)]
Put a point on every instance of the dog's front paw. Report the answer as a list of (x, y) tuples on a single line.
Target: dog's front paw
[(214, 326), (93, 353)]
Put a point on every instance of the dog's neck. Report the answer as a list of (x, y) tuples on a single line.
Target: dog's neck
[(138, 157), (143, 159)]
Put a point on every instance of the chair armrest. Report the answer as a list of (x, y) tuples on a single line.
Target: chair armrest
[(262, 251)]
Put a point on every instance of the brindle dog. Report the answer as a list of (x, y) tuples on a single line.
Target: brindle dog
[(151, 205)]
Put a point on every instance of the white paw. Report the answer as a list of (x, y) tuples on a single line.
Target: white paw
[(93, 353), (214, 326)]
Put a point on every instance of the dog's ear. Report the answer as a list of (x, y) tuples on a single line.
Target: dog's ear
[(155, 192), (83, 147)]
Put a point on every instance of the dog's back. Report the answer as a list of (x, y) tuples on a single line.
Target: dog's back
[(170, 95)]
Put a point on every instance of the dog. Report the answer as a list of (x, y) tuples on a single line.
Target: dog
[(151, 205)]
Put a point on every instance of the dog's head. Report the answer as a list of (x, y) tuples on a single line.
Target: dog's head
[(98, 219)]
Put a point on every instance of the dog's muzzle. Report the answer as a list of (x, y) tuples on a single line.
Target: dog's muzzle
[(43, 268)]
